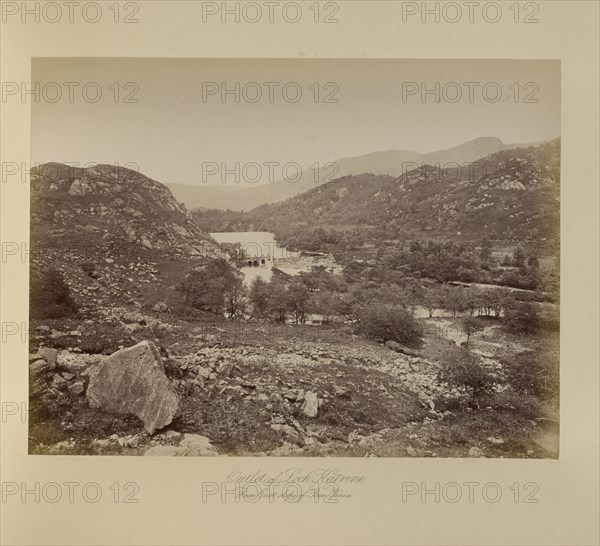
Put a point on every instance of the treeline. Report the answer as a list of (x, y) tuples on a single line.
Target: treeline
[(381, 310)]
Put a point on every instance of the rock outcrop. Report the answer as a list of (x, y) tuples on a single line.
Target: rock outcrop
[(132, 381)]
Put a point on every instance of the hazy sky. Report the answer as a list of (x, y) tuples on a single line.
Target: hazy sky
[(177, 123)]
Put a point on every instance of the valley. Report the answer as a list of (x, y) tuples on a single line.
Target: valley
[(401, 315)]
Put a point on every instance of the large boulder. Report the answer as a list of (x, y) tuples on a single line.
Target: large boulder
[(132, 381)]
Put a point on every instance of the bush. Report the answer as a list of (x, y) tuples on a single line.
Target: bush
[(463, 369), (390, 323), (522, 318), (49, 296), (534, 374)]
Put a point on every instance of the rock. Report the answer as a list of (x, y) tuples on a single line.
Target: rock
[(198, 442), (59, 382), (76, 364), (39, 378), (172, 435), (49, 355), (475, 452), (76, 388), (132, 381), (290, 432), (493, 440), (192, 445), (341, 391), (310, 407), (203, 372), (394, 346), (160, 307), (166, 451), (285, 450), (68, 376), (411, 451), (294, 395), (38, 369)]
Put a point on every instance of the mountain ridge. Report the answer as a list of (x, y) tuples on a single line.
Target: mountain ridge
[(391, 162)]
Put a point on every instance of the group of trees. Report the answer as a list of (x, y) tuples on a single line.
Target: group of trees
[(219, 288)]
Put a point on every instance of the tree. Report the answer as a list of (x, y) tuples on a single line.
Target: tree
[(296, 301), (472, 300), (235, 297), (455, 300), (431, 301), (463, 369), (278, 301), (389, 323), (522, 317), (470, 326), (212, 286), (259, 297)]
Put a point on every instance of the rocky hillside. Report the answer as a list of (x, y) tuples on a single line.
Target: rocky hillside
[(102, 202), (512, 194), (390, 162), (109, 230)]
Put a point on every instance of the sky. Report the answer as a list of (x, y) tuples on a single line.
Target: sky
[(181, 119)]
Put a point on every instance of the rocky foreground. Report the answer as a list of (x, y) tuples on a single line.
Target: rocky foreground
[(188, 390)]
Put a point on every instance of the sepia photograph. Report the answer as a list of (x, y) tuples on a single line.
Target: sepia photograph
[(295, 258)]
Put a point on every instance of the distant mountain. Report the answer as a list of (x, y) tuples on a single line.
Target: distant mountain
[(391, 162), (512, 194)]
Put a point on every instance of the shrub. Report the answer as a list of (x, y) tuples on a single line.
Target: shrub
[(533, 373), (463, 369), (50, 296), (522, 318), (389, 323)]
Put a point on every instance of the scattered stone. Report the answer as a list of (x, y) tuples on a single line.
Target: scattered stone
[(493, 440), (341, 391), (133, 381), (394, 346), (310, 407), (289, 431), (411, 451), (476, 452), (172, 435)]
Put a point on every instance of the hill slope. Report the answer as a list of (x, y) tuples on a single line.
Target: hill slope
[(107, 230), (513, 194)]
